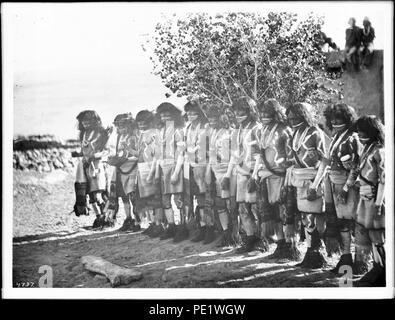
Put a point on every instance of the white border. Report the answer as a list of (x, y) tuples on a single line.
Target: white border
[(8, 10)]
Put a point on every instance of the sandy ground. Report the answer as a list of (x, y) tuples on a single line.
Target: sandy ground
[(45, 233)]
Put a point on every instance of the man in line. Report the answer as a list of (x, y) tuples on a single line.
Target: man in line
[(245, 158), (219, 136), (149, 198), (341, 162), (123, 183), (170, 160), (91, 177), (308, 148), (277, 219), (370, 225), (195, 163)]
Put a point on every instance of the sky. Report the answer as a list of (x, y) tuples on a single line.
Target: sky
[(72, 56)]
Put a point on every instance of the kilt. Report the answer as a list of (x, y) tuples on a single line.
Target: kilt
[(145, 188), (274, 185), (167, 169), (195, 174), (349, 209), (126, 182), (219, 170), (242, 195), (192, 188), (302, 179), (94, 174), (366, 212)]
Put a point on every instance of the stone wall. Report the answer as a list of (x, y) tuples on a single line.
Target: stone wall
[(43, 153)]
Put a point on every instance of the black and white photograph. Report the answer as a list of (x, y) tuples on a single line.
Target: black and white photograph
[(228, 149)]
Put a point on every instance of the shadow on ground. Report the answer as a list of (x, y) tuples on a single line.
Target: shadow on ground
[(163, 263)]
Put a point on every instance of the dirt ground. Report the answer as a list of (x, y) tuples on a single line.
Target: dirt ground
[(45, 233)]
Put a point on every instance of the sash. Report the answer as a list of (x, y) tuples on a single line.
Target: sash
[(335, 144), (294, 151), (337, 177), (267, 165)]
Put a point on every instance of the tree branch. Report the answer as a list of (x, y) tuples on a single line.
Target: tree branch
[(211, 93), (255, 92), (227, 91), (230, 76), (264, 92), (274, 73)]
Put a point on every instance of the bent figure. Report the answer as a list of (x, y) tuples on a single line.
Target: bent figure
[(366, 49), (353, 42)]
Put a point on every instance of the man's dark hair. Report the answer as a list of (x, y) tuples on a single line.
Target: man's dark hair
[(273, 107), (127, 120), (195, 106), (301, 109), (372, 127), (241, 104), (173, 110), (145, 116), (89, 115), (347, 112)]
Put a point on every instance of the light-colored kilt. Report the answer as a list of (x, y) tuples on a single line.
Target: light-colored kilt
[(167, 169), (128, 181), (242, 177), (364, 238), (199, 173), (219, 170), (349, 209), (301, 179), (274, 185), (146, 189), (95, 176), (365, 215)]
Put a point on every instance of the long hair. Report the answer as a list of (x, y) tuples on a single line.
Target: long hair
[(372, 127), (195, 106), (243, 103), (303, 110), (128, 121), (215, 111), (146, 116), (89, 115), (175, 114), (347, 113), (273, 107)]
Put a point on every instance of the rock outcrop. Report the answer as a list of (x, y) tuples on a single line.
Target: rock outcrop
[(43, 153)]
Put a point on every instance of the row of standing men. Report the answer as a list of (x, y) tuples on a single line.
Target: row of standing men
[(274, 177)]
